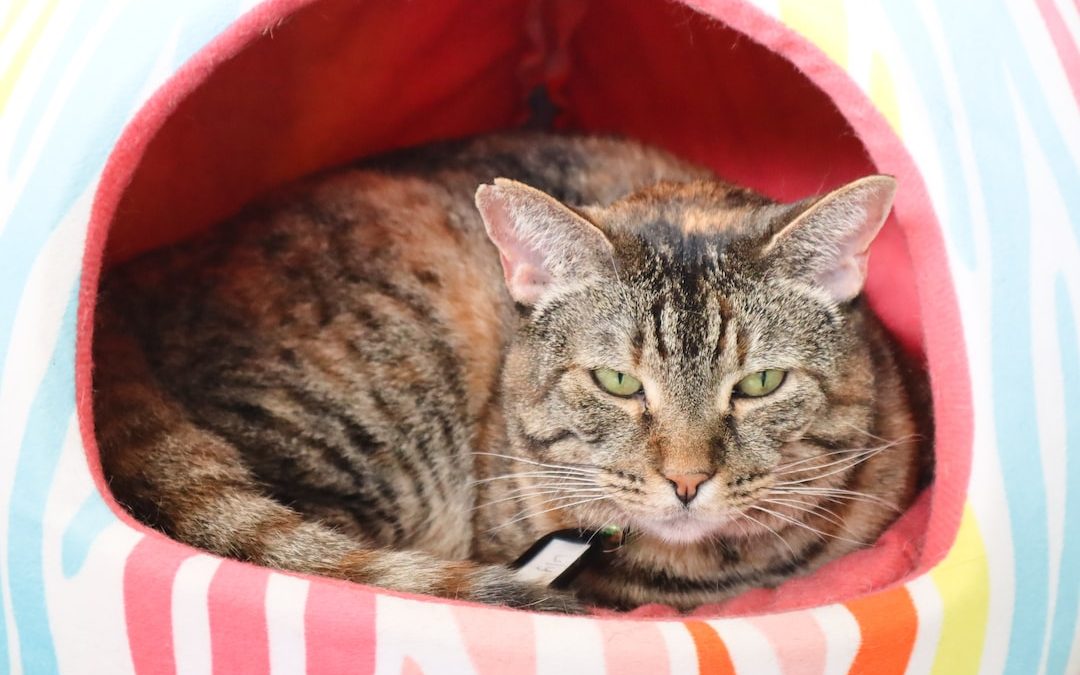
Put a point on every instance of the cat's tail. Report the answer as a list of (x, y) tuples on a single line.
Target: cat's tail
[(193, 485)]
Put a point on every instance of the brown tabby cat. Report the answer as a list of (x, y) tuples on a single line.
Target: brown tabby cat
[(343, 380)]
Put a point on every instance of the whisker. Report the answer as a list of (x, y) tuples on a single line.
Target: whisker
[(846, 451), (571, 477), (907, 437), (553, 508), (853, 463), (798, 523), (852, 454), (812, 509), (774, 532), (836, 493), (572, 467), (552, 486), (540, 493)]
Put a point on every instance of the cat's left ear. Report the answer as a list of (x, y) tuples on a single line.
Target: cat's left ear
[(828, 243), (543, 244)]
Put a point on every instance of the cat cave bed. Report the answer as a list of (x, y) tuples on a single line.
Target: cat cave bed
[(128, 126)]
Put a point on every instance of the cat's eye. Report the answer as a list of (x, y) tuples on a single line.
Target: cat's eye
[(614, 382), (761, 383)]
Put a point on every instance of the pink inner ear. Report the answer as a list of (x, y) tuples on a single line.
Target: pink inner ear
[(846, 280), (526, 275), (523, 265), (848, 275)]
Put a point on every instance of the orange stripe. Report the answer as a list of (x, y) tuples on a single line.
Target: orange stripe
[(888, 624), (712, 653)]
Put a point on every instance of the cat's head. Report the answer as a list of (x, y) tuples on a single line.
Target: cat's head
[(680, 348)]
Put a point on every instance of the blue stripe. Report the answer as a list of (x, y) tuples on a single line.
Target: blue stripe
[(47, 424), (989, 54), (984, 46), (75, 152), (85, 132), (979, 37), (91, 519), (61, 58), (1027, 638), (1063, 630), (917, 46), (975, 39), (205, 19)]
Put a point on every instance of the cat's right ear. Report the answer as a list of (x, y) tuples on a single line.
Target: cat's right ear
[(543, 244), (828, 242)]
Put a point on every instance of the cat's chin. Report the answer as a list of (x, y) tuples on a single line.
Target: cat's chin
[(682, 529)]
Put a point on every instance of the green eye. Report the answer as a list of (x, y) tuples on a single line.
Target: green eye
[(614, 382), (761, 383)]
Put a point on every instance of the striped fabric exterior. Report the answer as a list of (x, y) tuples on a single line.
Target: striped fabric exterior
[(986, 97)]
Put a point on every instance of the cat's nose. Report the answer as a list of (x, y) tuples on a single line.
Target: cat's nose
[(686, 484)]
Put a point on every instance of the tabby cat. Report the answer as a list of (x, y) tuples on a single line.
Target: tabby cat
[(404, 372)]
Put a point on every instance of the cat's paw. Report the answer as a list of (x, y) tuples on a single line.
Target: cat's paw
[(501, 586)]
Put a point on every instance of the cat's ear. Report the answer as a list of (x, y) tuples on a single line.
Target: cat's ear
[(542, 243), (828, 242)]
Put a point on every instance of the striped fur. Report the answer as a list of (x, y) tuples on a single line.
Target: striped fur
[(337, 382)]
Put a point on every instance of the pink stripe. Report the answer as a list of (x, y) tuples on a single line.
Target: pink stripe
[(1063, 43), (340, 628), (237, 603), (513, 652), (634, 647), (797, 639), (149, 573)]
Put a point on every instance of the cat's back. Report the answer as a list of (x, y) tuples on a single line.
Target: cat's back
[(389, 246), (347, 326)]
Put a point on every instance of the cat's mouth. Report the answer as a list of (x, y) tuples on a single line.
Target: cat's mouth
[(685, 527)]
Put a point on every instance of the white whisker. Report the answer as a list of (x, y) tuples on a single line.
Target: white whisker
[(570, 477), (847, 451), (530, 495), (774, 532), (552, 486), (907, 437), (852, 455), (812, 509), (835, 494), (568, 467), (798, 523), (784, 468), (853, 463), (526, 516)]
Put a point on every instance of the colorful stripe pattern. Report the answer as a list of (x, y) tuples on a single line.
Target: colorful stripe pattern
[(986, 98)]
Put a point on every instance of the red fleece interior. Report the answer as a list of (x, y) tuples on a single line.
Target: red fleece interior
[(297, 86)]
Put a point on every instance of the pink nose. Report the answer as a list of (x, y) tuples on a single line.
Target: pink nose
[(686, 484)]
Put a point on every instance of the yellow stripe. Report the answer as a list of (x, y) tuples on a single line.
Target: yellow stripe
[(10, 16), (963, 581), (11, 75), (883, 91), (823, 22)]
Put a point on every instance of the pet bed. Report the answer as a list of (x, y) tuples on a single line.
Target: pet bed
[(126, 125)]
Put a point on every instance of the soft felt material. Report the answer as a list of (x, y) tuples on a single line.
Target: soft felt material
[(472, 67), (985, 571)]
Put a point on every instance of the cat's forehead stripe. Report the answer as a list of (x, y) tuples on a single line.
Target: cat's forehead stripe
[(724, 315), (659, 333)]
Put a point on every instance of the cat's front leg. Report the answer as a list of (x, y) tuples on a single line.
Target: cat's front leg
[(423, 574)]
